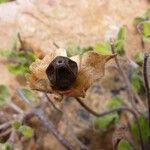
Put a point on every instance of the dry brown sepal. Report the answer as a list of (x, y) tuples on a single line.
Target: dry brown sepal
[(91, 66)]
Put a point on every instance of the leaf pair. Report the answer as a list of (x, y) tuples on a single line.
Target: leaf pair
[(105, 47), (18, 61), (25, 130), (143, 25)]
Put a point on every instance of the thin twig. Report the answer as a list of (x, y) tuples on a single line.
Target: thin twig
[(49, 100), (12, 136), (51, 128), (20, 39), (5, 125), (132, 95), (45, 121), (146, 84), (56, 45), (112, 111), (5, 133), (15, 107), (138, 27)]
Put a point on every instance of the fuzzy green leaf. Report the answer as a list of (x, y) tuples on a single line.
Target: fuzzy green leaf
[(138, 20), (26, 131), (115, 102), (146, 29), (138, 58), (3, 1), (144, 128), (124, 145), (18, 69), (104, 122), (7, 53), (4, 94), (121, 33), (103, 48), (119, 47), (136, 82), (16, 125), (6, 146), (74, 49), (22, 60), (119, 43), (26, 57)]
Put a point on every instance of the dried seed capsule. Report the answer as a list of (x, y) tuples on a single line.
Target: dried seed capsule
[(62, 72)]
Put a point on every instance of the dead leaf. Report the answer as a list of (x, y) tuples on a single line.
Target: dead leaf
[(91, 66)]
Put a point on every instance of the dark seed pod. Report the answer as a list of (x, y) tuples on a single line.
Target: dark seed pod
[(62, 72)]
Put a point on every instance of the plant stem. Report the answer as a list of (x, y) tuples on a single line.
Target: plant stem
[(51, 128), (56, 45), (146, 84), (132, 94), (50, 101), (15, 107), (5, 133), (45, 121), (112, 111), (5, 125)]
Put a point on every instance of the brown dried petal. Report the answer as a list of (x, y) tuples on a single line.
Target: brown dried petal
[(91, 67), (37, 78)]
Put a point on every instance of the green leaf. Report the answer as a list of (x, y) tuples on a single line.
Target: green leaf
[(26, 57), (115, 102), (18, 69), (4, 94), (32, 96), (121, 33), (103, 48), (136, 82), (138, 20), (3, 1), (104, 122), (138, 58), (124, 145), (144, 128), (26, 131), (6, 146), (31, 56), (22, 60), (7, 53), (16, 125), (146, 29), (74, 49), (119, 43)]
